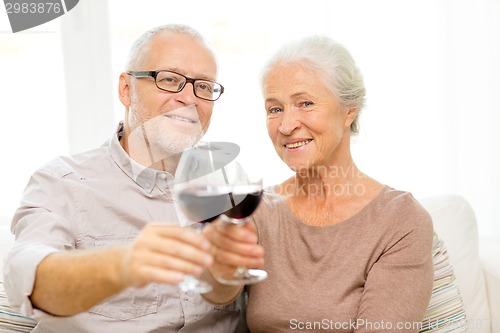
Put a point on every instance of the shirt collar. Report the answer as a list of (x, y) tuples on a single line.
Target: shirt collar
[(143, 176)]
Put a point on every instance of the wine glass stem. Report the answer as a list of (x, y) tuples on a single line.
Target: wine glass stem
[(239, 222), (189, 282)]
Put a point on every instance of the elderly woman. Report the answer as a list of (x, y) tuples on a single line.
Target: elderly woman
[(344, 252)]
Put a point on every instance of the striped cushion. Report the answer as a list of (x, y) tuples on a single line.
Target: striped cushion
[(445, 313), (11, 321)]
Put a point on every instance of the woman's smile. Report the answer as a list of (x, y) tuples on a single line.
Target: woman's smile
[(296, 144)]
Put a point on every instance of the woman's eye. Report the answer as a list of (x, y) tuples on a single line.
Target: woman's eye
[(306, 103), (274, 110)]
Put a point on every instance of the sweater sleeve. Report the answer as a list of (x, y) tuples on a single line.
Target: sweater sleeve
[(399, 284)]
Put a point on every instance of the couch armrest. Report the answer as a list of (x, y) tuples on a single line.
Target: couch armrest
[(489, 251)]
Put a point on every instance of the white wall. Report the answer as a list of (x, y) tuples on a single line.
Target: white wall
[(87, 69)]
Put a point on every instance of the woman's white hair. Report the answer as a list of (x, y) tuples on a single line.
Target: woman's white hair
[(332, 61)]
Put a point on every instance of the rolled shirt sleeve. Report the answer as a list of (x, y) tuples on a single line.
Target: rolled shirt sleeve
[(19, 277), (40, 229)]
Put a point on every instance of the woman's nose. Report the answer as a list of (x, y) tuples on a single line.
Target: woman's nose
[(289, 122)]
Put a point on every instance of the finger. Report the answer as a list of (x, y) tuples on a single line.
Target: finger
[(171, 263), (228, 258), (185, 235), (245, 233), (224, 242), (152, 274), (161, 246), (238, 248), (250, 225), (137, 272), (140, 262)]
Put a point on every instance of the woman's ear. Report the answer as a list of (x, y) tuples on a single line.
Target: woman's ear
[(124, 89), (352, 113)]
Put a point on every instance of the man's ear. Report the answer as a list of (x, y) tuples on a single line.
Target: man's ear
[(124, 89)]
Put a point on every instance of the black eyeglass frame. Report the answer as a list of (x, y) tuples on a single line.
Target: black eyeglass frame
[(154, 74)]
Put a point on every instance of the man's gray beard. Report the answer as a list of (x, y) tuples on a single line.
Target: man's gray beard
[(160, 140), (173, 144)]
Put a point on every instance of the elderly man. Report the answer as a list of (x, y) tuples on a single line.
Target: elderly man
[(98, 243)]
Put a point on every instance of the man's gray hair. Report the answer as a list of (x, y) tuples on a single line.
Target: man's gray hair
[(140, 48)]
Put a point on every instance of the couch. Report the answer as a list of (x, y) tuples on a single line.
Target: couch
[(476, 261)]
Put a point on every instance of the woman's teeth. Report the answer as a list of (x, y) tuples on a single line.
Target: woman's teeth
[(297, 144)]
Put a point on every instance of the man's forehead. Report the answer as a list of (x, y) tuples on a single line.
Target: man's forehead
[(183, 54)]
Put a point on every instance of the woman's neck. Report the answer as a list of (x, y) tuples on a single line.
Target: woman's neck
[(339, 180)]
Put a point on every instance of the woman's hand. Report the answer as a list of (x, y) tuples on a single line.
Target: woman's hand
[(233, 246)]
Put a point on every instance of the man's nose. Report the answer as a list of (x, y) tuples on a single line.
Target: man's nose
[(186, 94)]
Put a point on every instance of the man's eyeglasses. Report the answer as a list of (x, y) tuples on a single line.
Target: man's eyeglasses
[(175, 82)]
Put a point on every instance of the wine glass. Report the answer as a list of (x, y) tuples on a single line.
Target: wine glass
[(186, 197), (193, 194), (244, 190)]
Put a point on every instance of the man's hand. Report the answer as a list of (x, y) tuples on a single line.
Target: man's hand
[(163, 254)]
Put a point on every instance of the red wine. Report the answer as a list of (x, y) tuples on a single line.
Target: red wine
[(205, 204), (247, 203)]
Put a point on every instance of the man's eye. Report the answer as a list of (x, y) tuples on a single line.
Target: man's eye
[(168, 79), (204, 86)]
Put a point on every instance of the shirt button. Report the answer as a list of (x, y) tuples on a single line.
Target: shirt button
[(148, 185), (163, 176)]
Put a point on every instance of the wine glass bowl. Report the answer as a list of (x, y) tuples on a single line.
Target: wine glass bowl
[(244, 199)]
